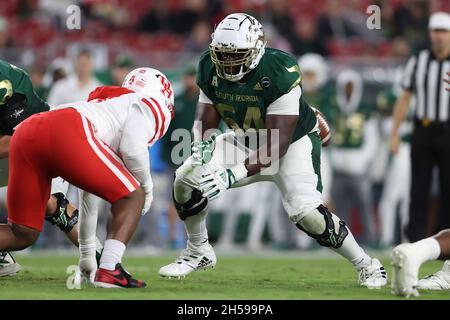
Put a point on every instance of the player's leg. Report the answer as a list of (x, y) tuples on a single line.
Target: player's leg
[(64, 215), (390, 198), (192, 208), (363, 192), (408, 257), (422, 164), (8, 265), (300, 185), (87, 163), (441, 279), (28, 190)]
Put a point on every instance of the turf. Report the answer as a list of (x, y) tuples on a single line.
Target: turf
[(235, 277)]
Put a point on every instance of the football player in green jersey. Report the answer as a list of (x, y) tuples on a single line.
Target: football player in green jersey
[(19, 101), (256, 89)]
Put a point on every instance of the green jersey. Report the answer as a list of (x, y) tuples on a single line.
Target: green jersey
[(18, 100), (349, 128), (15, 80), (324, 99), (385, 102), (185, 105), (244, 105), (15, 87)]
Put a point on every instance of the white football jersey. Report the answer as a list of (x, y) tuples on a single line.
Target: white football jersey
[(110, 108)]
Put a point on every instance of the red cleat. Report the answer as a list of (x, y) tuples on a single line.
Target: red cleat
[(117, 278)]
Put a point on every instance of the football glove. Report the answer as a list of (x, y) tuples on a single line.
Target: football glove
[(202, 151), (14, 111), (148, 189), (212, 185), (87, 264)]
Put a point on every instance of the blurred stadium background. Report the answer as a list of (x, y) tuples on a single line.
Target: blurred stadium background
[(171, 34)]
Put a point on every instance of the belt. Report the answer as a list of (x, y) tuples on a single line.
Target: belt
[(427, 123)]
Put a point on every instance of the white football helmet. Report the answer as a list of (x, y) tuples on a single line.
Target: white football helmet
[(314, 64), (237, 46), (150, 82)]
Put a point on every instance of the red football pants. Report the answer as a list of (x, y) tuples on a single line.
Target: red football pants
[(60, 143)]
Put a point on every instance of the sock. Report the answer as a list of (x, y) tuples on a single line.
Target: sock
[(351, 250), (112, 254), (426, 250), (196, 228), (98, 246)]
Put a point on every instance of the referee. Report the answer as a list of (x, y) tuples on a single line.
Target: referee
[(430, 146)]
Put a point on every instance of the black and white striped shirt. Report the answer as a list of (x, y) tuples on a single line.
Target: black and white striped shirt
[(424, 76)]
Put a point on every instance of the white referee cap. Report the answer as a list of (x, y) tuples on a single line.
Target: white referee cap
[(439, 20)]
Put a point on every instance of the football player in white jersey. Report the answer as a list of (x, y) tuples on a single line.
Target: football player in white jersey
[(103, 151)]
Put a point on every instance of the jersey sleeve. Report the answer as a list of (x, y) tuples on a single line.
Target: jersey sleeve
[(25, 87), (287, 104), (204, 70), (203, 98), (281, 76)]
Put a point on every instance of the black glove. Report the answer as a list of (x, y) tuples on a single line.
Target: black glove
[(14, 111)]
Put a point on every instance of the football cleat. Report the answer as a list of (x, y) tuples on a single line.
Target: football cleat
[(437, 281), (117, 278), (191, 259), (406, 270), (373, 276), (8, 266)]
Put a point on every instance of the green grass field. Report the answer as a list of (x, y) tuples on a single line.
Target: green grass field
[(235, 277)]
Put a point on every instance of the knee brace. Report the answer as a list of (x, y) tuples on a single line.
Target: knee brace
[(321, 226), (192, 207), (61, 218), (193, 201)]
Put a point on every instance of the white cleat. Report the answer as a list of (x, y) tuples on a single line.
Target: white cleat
[(8, 266), (191, 259), (373, 276), (437, 281), (406, 270)]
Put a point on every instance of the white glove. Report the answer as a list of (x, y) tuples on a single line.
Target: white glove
[(212, 185), (86, 271), (202, 151), (148, 189), (87, 265)]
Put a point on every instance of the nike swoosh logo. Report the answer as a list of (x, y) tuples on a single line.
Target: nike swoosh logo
[(122, 281)]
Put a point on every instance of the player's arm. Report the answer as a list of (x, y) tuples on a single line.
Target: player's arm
[(4, 146), (447, 81), (398, 116), (280, 130), (402, 104), (203, 131), (206, 118), (281, 120), (133, 149)]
